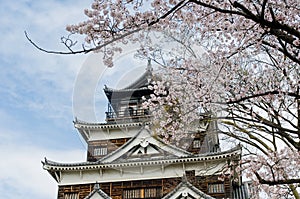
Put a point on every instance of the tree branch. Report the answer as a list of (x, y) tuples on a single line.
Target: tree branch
[(276, 182)]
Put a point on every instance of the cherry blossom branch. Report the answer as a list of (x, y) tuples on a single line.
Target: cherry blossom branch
[(276, 182), (276, 92), (114, 39), (84, 51), (284, 132)]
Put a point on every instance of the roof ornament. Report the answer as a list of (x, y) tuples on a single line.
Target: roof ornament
[(144, 143), (96, 186), (185, 194)]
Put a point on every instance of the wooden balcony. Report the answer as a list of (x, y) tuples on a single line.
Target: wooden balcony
[(128, 115)]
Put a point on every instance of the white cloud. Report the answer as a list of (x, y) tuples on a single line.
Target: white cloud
[(31, 79), (35, 85), (24, 174), (21, 173)]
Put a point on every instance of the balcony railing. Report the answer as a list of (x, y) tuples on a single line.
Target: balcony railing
[(128, 115)]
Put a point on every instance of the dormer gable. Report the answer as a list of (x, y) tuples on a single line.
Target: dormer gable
[(143, 146), (97, 193), (186, 190)]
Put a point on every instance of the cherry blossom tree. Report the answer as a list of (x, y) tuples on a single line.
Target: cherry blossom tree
[(256, 101), (248, 77)]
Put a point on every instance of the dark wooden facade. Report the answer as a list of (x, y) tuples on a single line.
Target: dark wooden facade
[(117, 190), (110, 146), (194, 143)]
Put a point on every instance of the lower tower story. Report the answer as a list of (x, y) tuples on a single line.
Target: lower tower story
[(150, 189)]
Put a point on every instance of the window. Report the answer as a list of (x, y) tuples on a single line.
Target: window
[(216, 188), (196, 144), (132, 193), (150, 193), (71, 196), (100, 151)]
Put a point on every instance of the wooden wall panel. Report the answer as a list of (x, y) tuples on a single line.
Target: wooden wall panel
[(111, 146), (115, 189)]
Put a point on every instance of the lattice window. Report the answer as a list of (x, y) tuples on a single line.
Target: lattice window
[(150, 193), (71, 196), (132, 193), (100, 151), (196, 144), (216, 188)]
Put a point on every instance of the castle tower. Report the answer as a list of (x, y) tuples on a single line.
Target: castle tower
[(125, 160)]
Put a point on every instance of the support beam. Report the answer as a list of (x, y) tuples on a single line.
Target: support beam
[(121, 171), (58, 176), (80, 174)]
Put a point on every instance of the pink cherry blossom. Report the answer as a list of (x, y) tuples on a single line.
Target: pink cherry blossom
[(247, 79)]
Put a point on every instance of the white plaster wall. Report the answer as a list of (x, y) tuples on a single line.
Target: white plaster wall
[(104, 134), (140, 173)]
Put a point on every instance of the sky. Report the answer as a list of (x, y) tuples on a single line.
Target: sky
[(42, 93)]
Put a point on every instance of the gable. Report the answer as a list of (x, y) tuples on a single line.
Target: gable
[(187, 191), (144, 146), (96, 196), (97, 193)]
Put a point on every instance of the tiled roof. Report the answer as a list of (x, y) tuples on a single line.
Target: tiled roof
[(51, 165), (140, 84), (185, 189), (144, 134), (88, 125), (101, 194)]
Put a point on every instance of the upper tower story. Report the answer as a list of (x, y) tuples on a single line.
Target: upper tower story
[(126, 115), (126, 104)]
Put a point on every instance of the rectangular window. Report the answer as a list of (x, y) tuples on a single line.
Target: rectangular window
[(132, 193), (150, 193), (196, 144), (100, 151), (153, 193), (71, 196), (216, 188)]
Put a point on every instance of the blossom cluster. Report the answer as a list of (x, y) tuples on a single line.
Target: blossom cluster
[(282, 165), (248, 77)]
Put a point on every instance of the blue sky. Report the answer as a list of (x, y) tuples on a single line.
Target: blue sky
[(36, 91), (42, 93)]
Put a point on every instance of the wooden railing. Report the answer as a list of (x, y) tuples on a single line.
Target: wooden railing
[(128, 115)]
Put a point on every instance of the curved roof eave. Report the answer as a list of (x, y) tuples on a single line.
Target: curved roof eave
[(51, 165), (87, 125)]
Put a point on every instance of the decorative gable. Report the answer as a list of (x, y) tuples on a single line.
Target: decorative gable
[(187, 191), (144, 146), (97, 193)]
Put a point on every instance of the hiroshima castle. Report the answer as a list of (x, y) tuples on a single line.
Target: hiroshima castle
[(126, 160)]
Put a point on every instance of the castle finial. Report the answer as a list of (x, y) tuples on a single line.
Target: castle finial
[(96, 186)]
